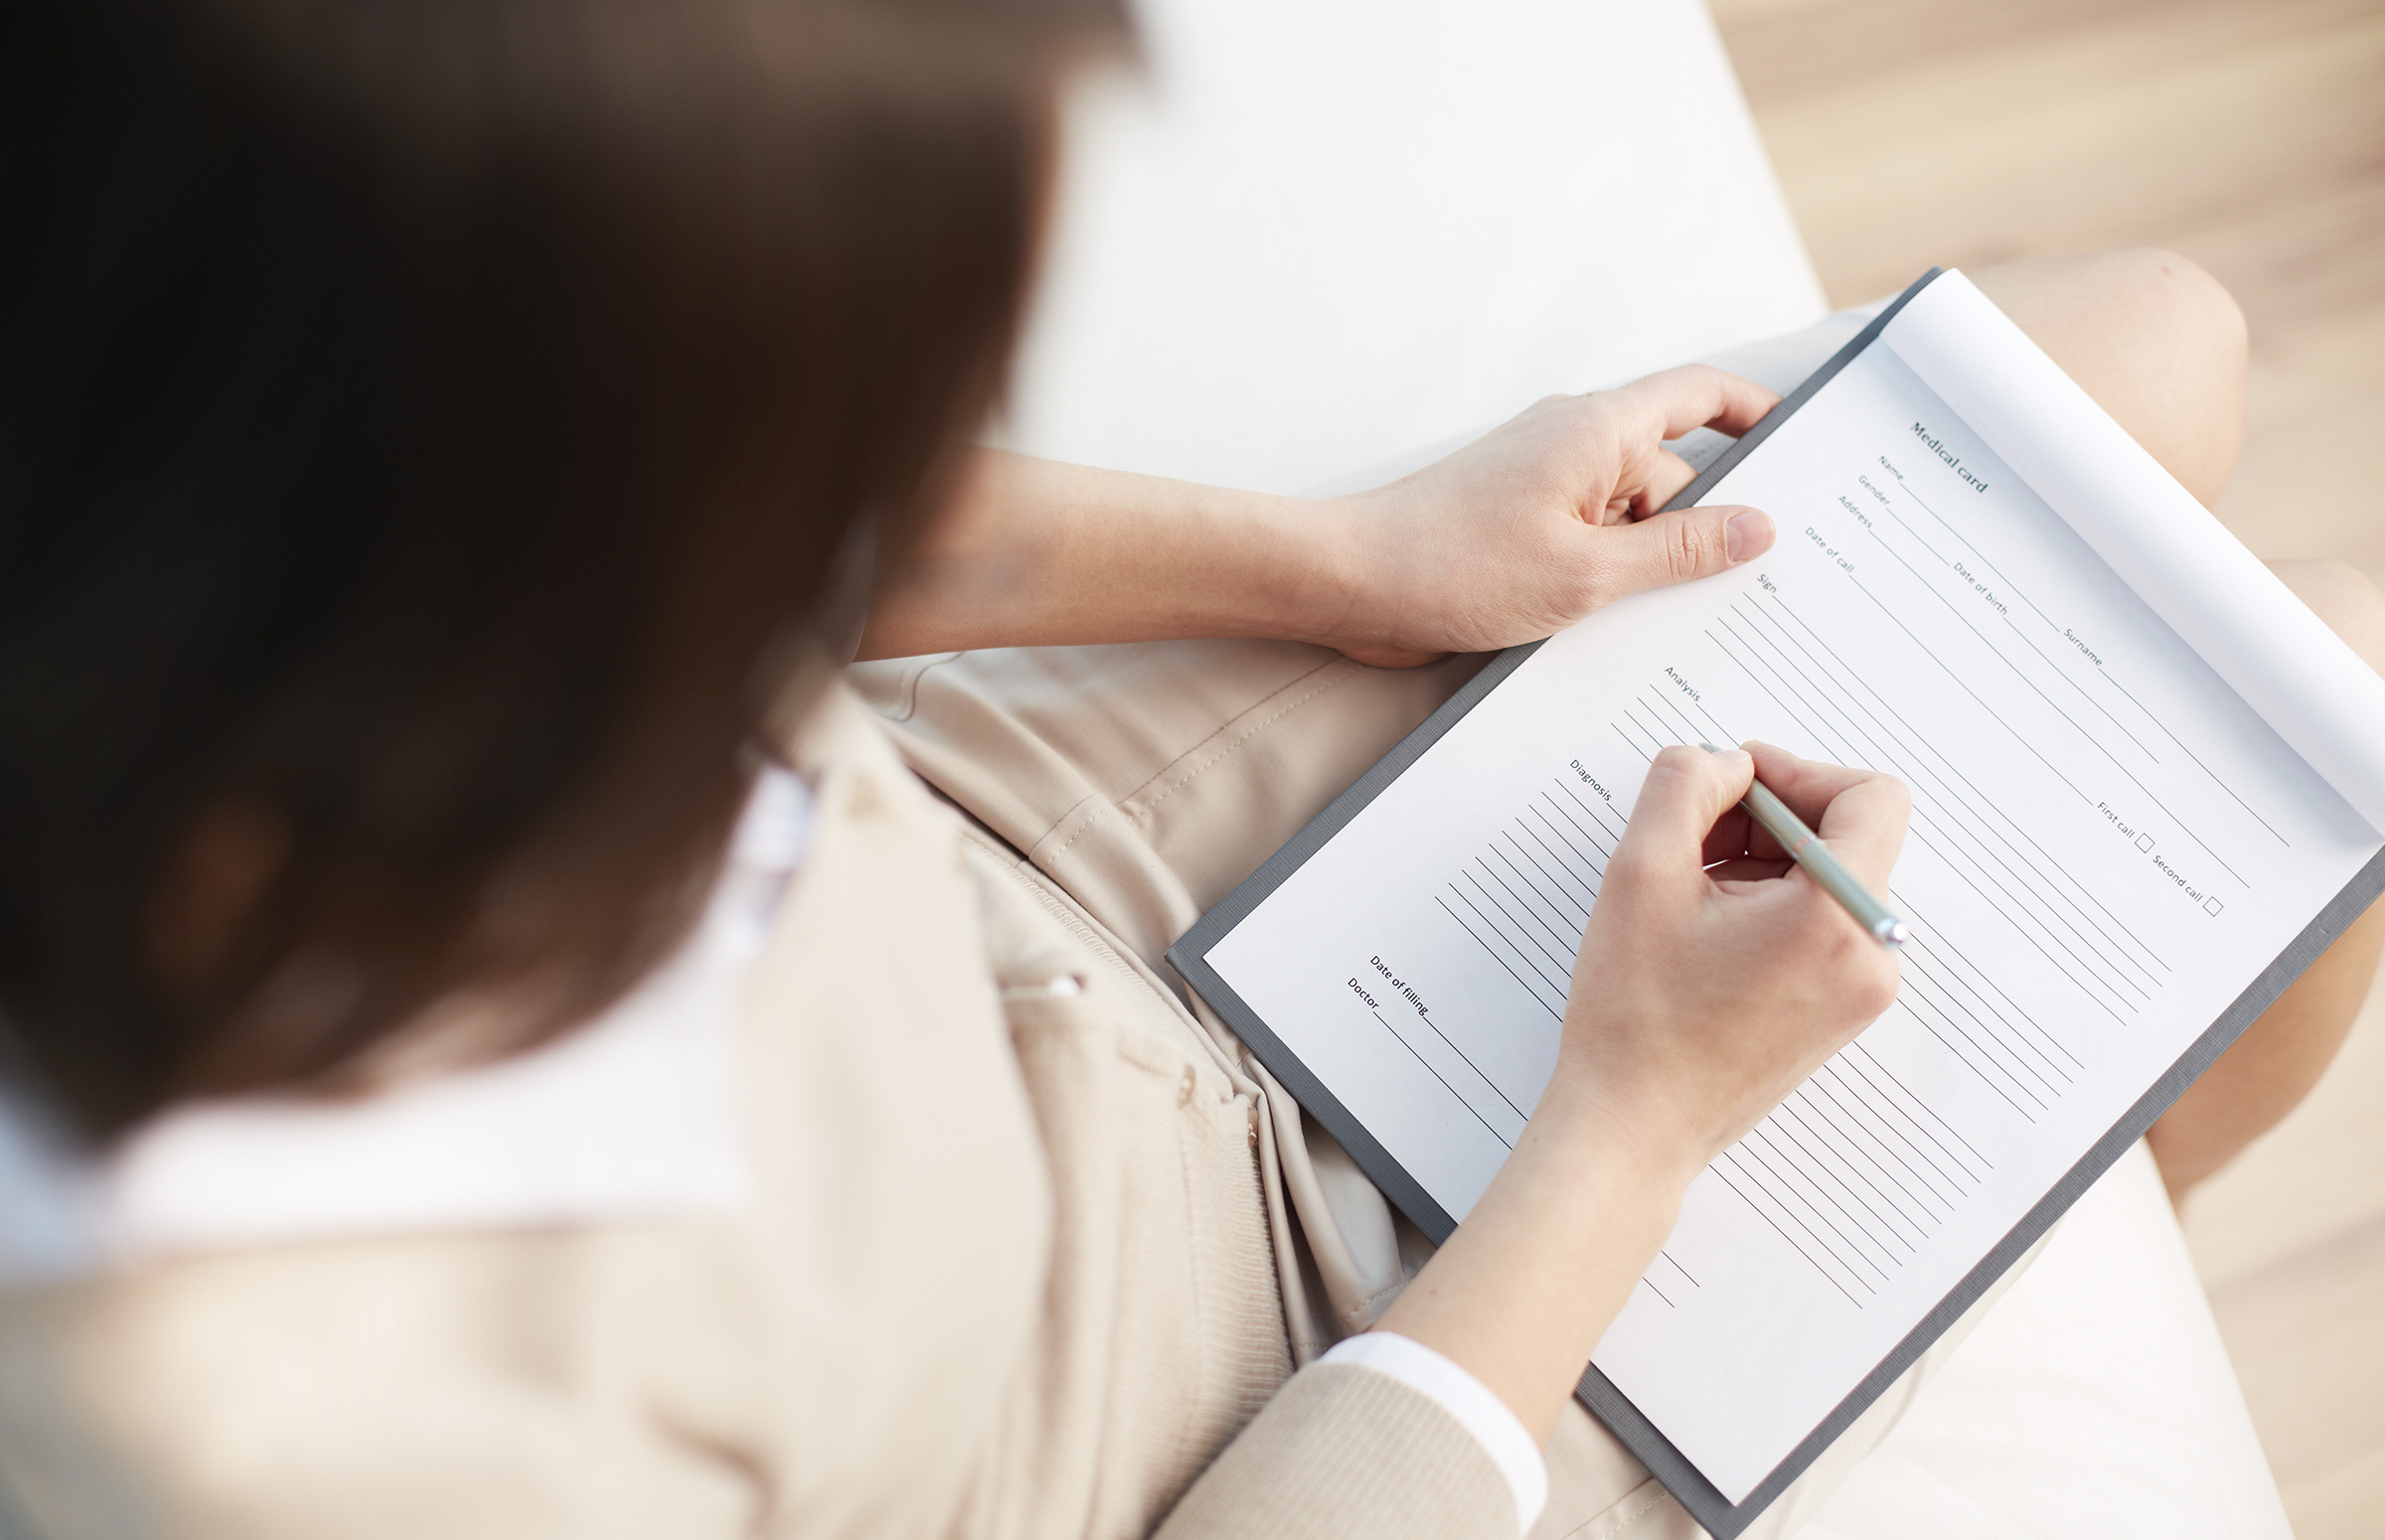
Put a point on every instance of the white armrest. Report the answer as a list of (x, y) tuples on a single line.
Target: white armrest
[(1325, 232), (2094, 1400)]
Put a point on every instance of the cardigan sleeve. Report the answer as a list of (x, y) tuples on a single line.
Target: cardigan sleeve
[(1497, 1430), (1344, 1449)]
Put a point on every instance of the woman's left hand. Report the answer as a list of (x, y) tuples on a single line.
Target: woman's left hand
[(1513, 538), (1541, 521)]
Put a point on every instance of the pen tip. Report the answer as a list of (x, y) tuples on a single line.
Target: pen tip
[(1891, 932)]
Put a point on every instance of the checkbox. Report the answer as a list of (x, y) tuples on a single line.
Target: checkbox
[(2144, 842), (2213, 905)]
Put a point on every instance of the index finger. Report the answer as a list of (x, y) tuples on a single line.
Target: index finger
[(1860, 813), (1699, 395)]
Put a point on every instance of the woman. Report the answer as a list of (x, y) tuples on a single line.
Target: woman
[(450, 444)]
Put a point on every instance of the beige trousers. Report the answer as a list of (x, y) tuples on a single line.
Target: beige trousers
[(1145, 781)]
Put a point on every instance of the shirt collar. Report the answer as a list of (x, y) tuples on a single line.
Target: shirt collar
[(631, 1116)]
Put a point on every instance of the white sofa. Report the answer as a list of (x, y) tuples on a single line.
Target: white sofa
[(1316, 235)]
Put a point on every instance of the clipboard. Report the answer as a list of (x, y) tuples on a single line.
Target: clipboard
[(1698, 1495)]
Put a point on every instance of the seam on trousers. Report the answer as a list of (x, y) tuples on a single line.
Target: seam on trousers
[(1101, 806), (1606, 1525), (1145, 810), (905, 704), (1365, 1309), (911, 683)]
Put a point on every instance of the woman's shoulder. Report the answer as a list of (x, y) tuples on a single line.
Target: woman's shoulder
[(781, 1209), (932, 1159)]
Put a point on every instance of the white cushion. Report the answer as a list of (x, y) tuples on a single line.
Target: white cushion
[(2094, 1400), (1319, 234)]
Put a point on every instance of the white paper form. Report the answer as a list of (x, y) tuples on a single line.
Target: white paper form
[(2108, 845)]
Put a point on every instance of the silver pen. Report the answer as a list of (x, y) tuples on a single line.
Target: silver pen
[(1806, 848)]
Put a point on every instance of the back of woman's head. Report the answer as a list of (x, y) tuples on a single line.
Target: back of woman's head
[(427, 428)]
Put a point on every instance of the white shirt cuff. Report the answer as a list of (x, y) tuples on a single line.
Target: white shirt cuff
[(1465, 1398)]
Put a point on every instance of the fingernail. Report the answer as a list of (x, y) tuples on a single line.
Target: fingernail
[(1747, 534)]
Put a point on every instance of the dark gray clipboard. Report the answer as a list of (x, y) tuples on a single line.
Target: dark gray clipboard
[(1706, 1503)]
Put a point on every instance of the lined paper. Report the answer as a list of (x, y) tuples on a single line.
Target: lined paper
[(2109, 842)]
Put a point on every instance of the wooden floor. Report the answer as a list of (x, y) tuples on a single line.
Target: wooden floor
[(2249, 135)]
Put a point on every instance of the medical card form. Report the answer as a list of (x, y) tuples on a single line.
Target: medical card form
[(2147, 787)]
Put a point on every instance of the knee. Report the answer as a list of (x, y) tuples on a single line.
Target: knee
[(2185, 341), (2344, 599), (2190, 313), (2153, 338)]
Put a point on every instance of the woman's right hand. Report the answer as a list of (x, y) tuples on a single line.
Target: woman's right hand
[(1716, 975)]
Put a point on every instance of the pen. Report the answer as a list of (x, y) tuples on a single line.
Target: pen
[(1806, 848)]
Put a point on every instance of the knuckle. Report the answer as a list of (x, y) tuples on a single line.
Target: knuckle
[(1863, 977), (1890, 804), (1679, 759), (1625, 868), (1674, 777), (1631, 867), (1689, 549), (1848, 954), (1877, 989)]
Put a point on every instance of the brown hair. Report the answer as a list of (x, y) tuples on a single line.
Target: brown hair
[(427, 429)]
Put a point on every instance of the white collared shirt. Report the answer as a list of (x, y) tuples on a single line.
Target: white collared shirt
[(633, 1114)]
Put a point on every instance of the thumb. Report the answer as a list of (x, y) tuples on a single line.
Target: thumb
[(1686, 791), (1676, 546)]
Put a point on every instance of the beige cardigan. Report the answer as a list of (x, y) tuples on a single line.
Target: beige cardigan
[(1007, 1272), (1016, 1265)]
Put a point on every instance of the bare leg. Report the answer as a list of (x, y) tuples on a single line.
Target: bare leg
[(2152, 338), (2159, 343)]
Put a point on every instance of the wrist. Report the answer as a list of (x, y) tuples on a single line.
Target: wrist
[(1215, 562), (1630, 1127), (1300, 571), (1521, 1294)]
